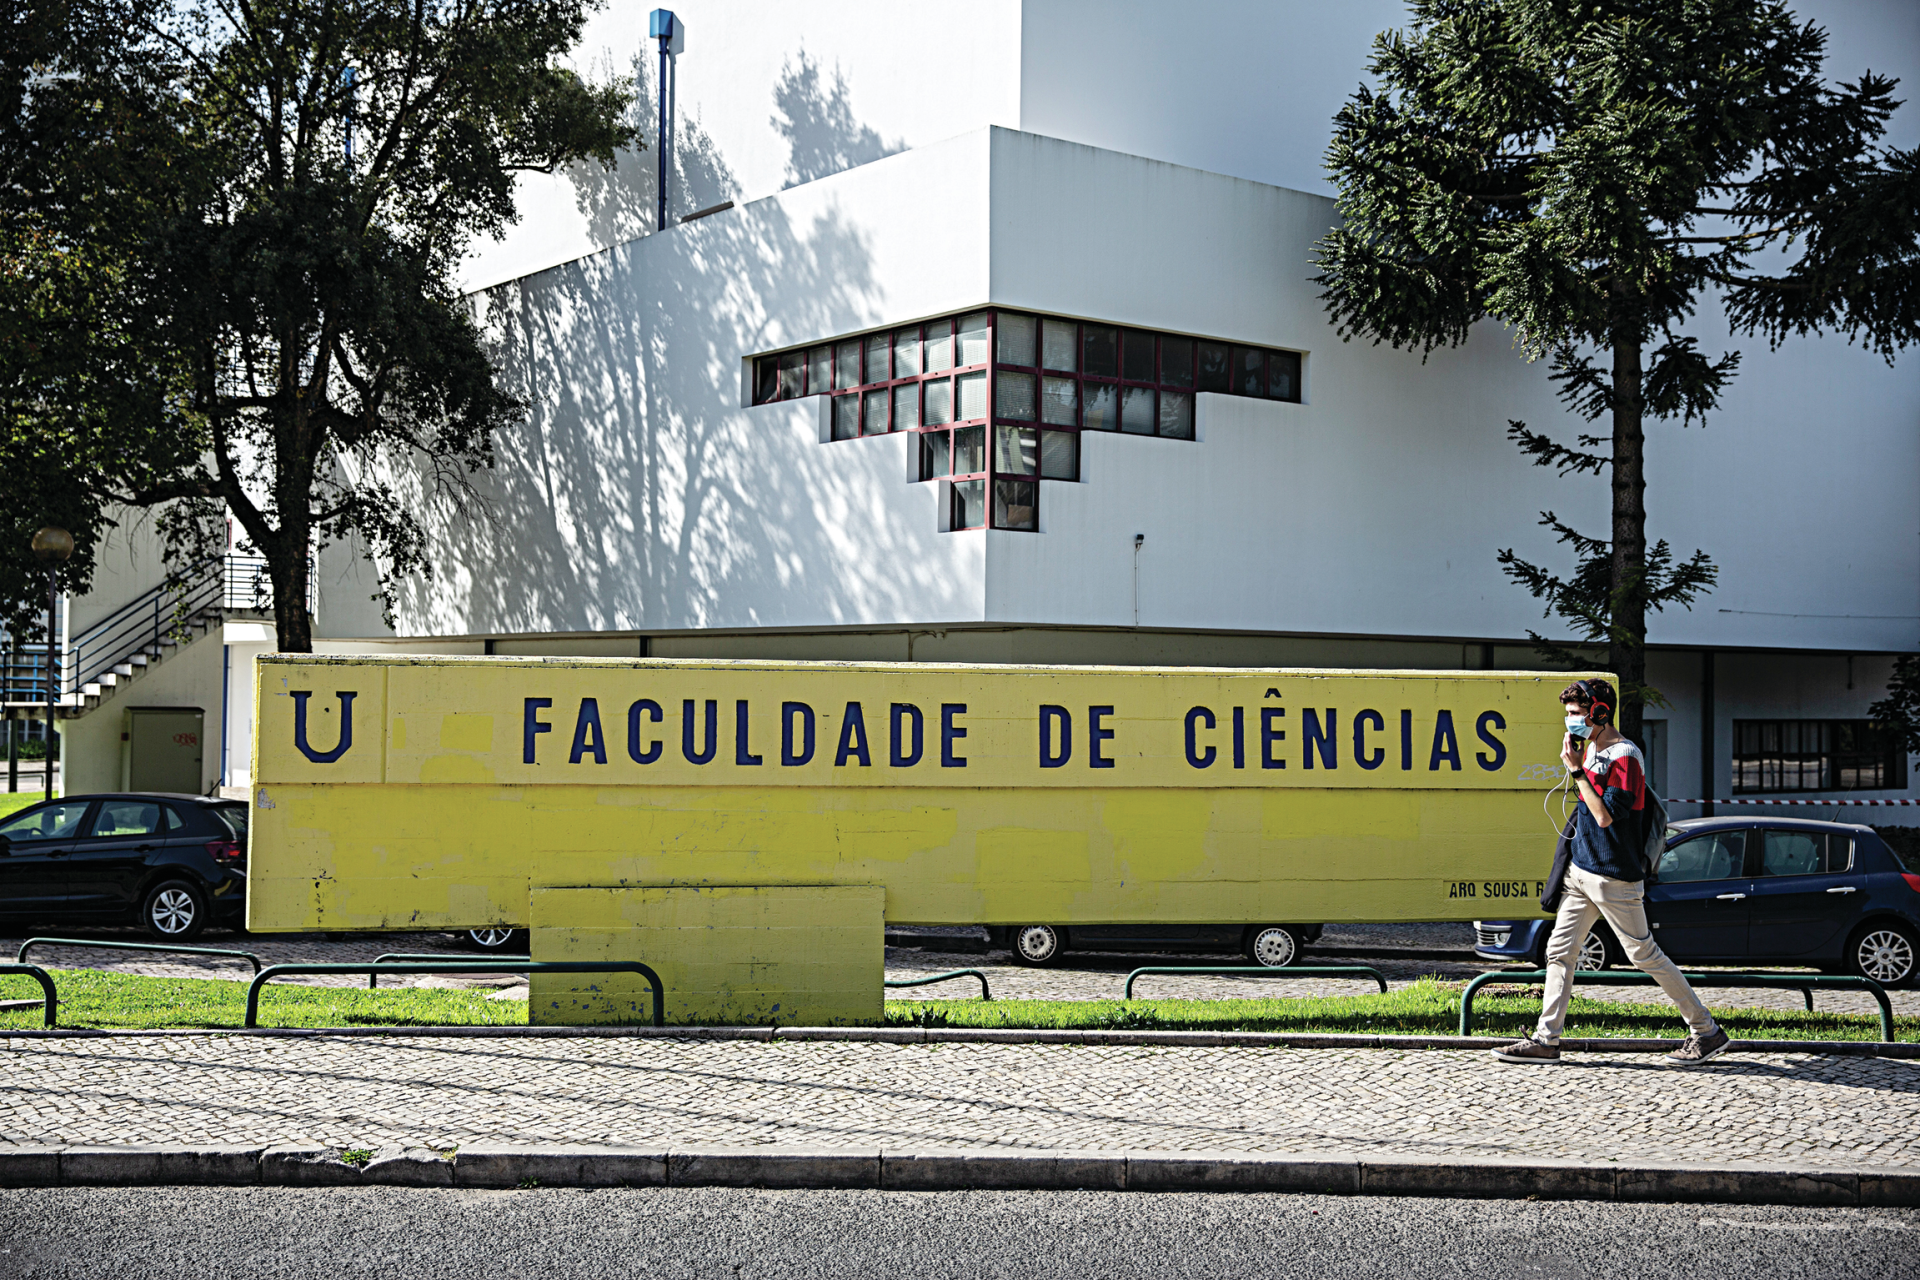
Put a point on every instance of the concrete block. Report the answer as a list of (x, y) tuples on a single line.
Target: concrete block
[(1547, 1179), (154, 1165), (1239, 1171), (408, 1167), (861, 1035), (29, 1166), (1009, 1169), (294, 1165), (808, 1167), (1890, 1187), (1739, 1184), (568, 1166)]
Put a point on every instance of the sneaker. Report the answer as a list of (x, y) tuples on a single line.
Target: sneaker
[(1528, 1051), (1699, 1049)]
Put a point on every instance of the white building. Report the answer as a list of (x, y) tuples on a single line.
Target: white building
[(957, 244)]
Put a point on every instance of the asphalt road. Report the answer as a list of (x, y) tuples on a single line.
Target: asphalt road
[(272, 1232)]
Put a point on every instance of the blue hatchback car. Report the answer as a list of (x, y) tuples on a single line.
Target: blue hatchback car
[(1760, 891)]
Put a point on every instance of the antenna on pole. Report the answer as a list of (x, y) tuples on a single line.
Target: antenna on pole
[(670, 32)]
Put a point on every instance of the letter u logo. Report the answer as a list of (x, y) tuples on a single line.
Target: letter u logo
[(300, 727)]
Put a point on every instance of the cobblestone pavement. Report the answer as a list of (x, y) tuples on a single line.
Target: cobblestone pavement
[(442, 1093)]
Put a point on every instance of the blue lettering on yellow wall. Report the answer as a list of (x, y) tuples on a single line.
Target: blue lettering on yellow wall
[(346, 727)]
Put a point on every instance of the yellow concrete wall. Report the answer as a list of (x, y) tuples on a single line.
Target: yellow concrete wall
[(793, 955), (470, 782)]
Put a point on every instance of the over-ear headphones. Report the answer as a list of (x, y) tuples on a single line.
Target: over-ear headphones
[(1601, 711)]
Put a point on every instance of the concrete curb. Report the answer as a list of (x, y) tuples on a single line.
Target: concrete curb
[(950, 1169), (964, 1035)]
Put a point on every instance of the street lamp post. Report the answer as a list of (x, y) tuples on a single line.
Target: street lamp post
[(53, 546)]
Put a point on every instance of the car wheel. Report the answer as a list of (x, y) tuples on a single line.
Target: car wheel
[(1596, 952), (1273, 946), (174, 911), (497, 939), (1884, 952), (1037, 945)]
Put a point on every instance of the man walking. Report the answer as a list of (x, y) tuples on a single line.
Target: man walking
[(1607, 877)]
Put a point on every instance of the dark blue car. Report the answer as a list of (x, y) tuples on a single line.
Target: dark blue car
[(1760, 891)]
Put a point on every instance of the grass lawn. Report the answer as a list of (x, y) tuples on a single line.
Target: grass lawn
[(13, 801), (89, 998)]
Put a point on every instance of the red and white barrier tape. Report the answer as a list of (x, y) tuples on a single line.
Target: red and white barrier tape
[(1815, 803)]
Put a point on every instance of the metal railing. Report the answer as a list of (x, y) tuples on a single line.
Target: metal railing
[(39, 975), (248, 956), (943, 977), (373, 979), (1265, 971), (203, 593), (460, 966), (1804, 983)]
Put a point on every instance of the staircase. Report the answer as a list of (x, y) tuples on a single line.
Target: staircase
[(116, 651)]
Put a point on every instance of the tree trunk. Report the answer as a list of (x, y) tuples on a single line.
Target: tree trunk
[(287, 569), (1627, 650)]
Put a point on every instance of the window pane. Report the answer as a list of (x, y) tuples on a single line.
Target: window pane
[(1102, 356), (1249, 371), (969, 504), (766, 379), (1101, 401), (1176, 362), (1016, 450), (1015, 399), (939, 346), (55, 822), (846, 364), (878, 351), (873, 421), (1138, 351), (1214, 375), (973, 338), (906, 407), (127, 818), (1714, 857), (819, 370), (1016, 505), (793, 368), (1060, 401), (846, 417), (1059, 347), (1176, 415), (906, 353), (934, 454), (1015, 339), (1136, 410), (969, 451), (1060, 455), (1283, 375), (973, 396), (939, 401), (1792, 853)]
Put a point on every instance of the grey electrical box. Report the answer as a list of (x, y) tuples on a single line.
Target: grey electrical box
[(161, 749)]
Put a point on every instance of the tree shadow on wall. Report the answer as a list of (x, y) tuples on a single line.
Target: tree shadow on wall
[(640, 493), (823, 136), (619, 204)]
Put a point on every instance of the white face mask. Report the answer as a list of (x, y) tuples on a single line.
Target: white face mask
[(1578, 727)]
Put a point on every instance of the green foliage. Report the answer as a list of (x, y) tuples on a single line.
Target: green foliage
[(1584, 172), (97, 998), (294, 192), (1901, 707)]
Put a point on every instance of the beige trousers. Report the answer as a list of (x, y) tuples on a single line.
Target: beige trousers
[(1623, 903)]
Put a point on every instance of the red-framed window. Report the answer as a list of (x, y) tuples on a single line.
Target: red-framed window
[(998, 399)]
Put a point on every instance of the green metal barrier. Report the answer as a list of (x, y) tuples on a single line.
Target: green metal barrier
[(1265, 971), (21, 956), (1804, 983), (39, 975), (463, 966), (945, 977), (373, 979)]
